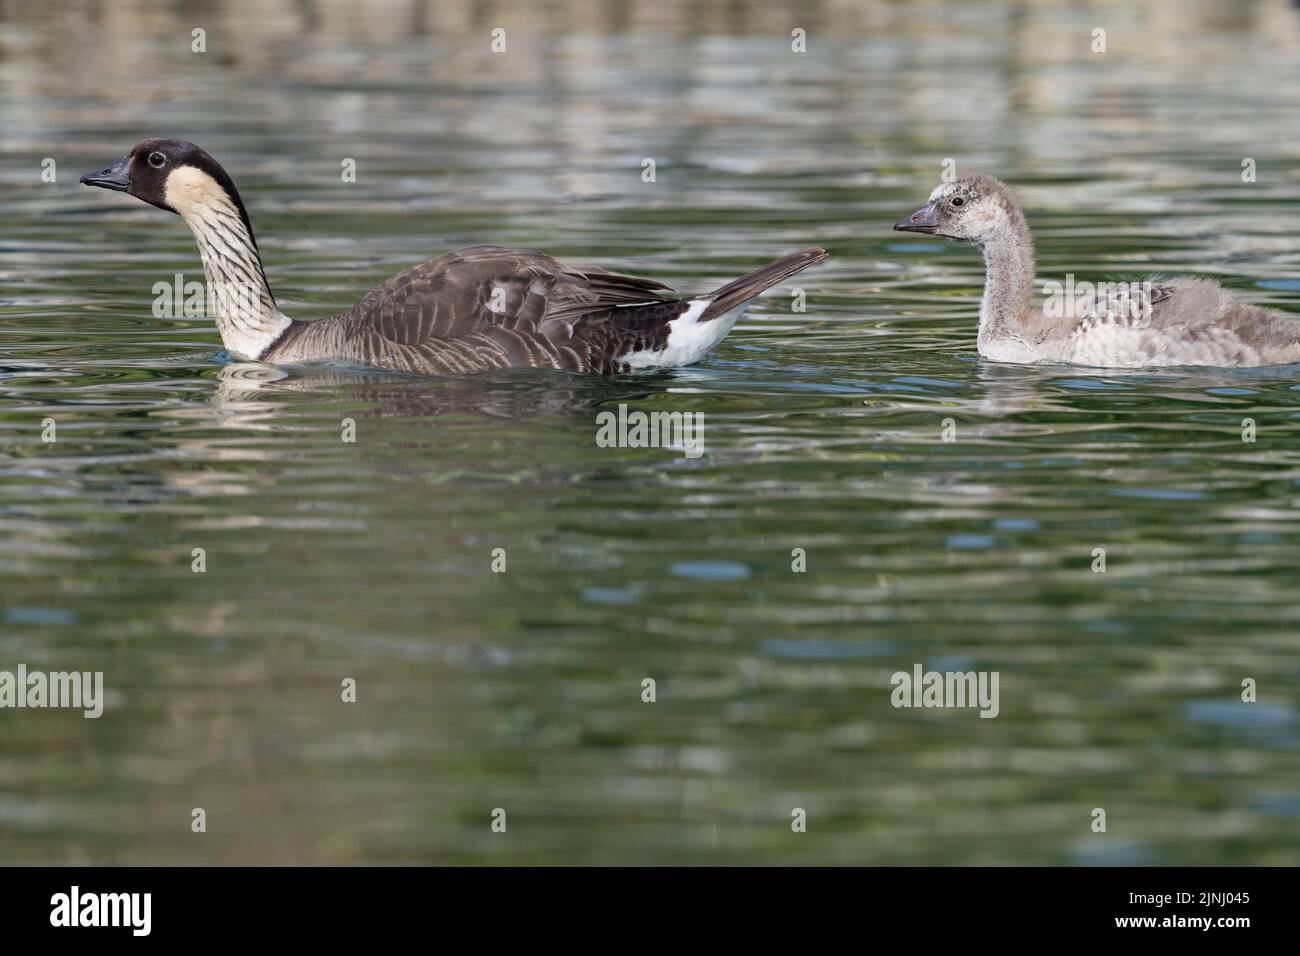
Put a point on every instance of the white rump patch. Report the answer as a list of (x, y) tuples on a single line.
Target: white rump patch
[(689, 339)]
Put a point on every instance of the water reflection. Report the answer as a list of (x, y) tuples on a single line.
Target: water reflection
[(824, 432), (246, 393)]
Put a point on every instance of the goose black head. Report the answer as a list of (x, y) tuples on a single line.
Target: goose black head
[(173, 175), (975, 208)]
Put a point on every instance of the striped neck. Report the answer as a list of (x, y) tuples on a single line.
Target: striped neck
[(246, 314)]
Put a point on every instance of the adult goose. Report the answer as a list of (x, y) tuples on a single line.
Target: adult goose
[(475, 309), (1131, 325)]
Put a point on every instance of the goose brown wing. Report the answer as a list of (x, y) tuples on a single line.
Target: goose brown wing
[(485, 307)]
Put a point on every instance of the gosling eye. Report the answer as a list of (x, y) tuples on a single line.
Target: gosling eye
[(958, 201), (157, 160)]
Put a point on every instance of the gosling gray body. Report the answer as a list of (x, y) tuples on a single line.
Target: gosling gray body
[(472, 310), (1158, 322)]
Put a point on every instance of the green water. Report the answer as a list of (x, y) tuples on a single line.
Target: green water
[(522, 690)]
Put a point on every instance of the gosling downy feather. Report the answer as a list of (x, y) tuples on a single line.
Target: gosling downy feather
[(1159, 322), (472, 310)]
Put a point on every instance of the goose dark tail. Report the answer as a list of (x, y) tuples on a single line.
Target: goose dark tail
[(746, 287)]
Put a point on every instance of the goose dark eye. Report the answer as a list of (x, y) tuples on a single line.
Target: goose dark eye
[(957, 201), (157, 160)]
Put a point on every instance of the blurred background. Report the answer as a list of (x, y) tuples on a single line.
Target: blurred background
[(522, 690)]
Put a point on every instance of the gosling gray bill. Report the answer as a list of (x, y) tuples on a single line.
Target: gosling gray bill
[(1156, 322), (472, 310)]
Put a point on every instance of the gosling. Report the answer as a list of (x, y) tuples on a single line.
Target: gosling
[(1162, 322), (472, 310)]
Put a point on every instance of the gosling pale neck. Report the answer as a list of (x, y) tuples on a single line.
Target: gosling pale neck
[(1008, 284)]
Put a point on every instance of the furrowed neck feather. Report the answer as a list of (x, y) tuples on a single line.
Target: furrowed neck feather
[(245, 310)]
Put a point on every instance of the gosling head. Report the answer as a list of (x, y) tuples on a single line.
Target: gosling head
[(173, 175), (975, 208)]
